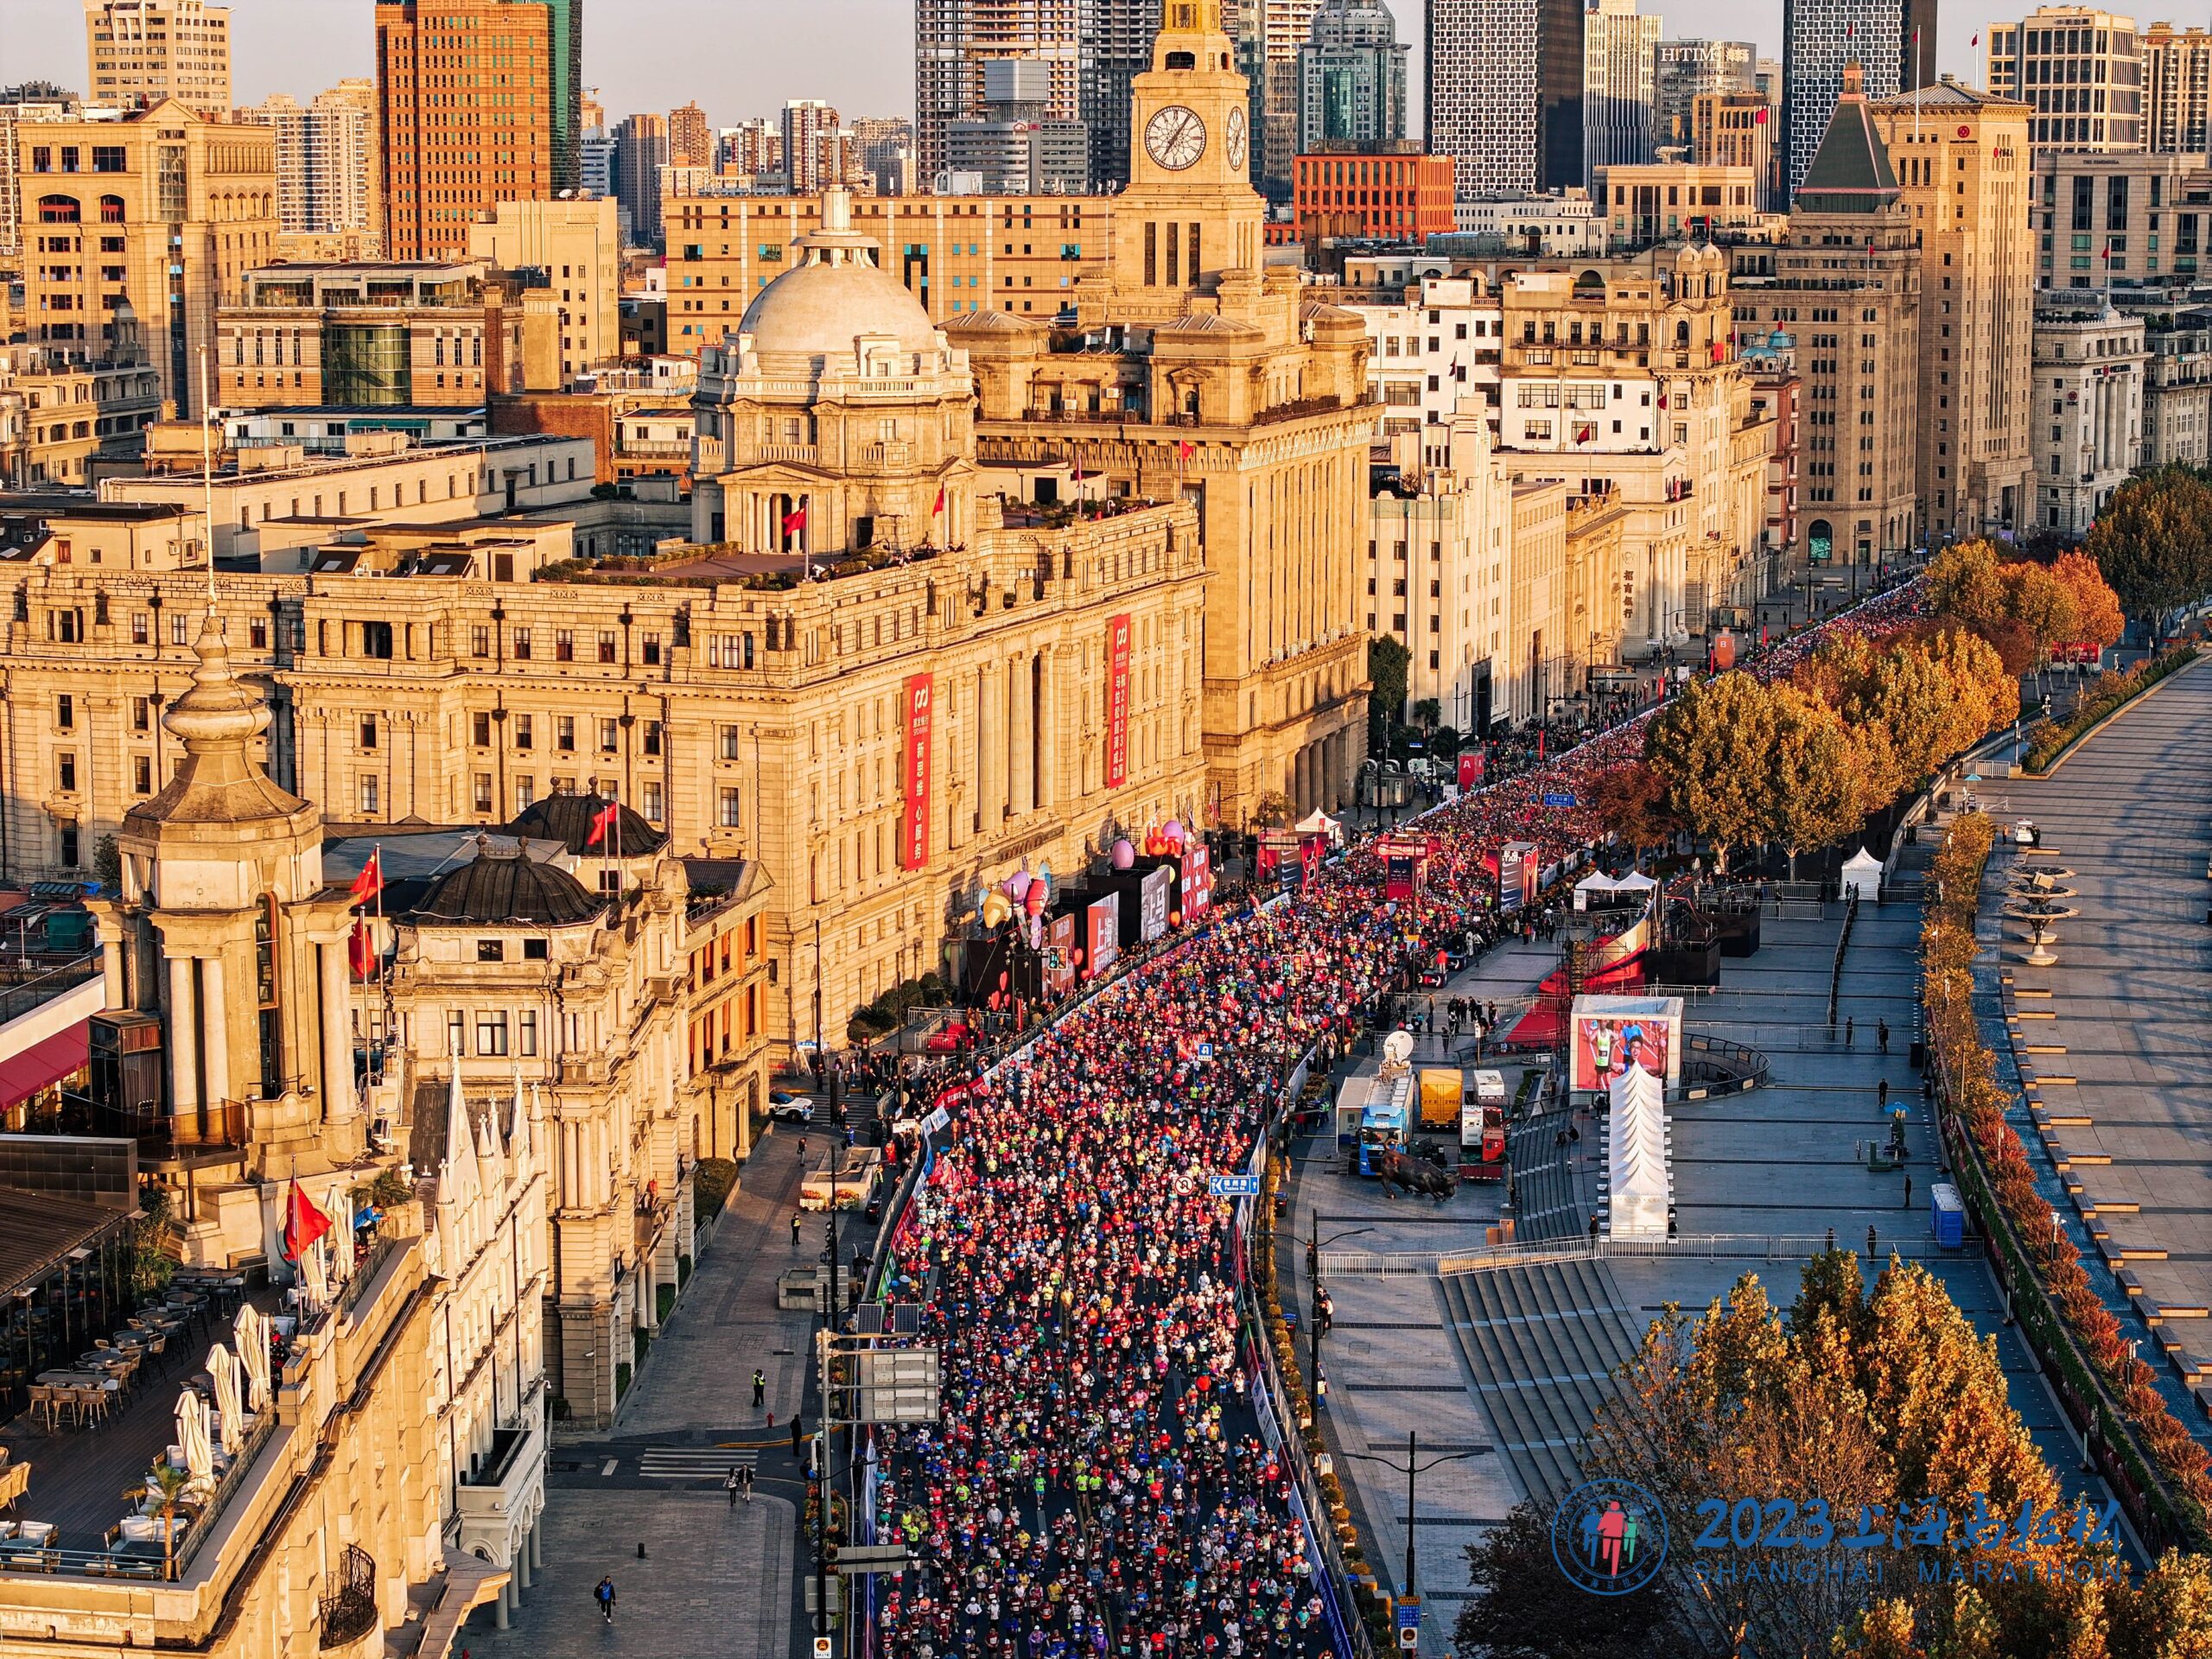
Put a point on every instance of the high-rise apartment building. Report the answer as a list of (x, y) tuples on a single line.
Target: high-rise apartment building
[(1892, 42), (140, 52), (2139, 224), (1351, 77), (1270, 38), (690, 140), (752, 148), (953, 39), (640, 152), (1682, 71), (577, 244), (1017, 149), (1502, 93), (1617, 47), (326, 161), (1735, 130), (466, 97), (138, 227), (2080, 70), (1115, 47), (885, 147), (805, 122), (1845, 285), (1962, 159), (2176, 89), (33, 101)]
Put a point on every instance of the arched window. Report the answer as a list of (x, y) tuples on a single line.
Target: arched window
[(60, 210), (268, 993), (110, 210)]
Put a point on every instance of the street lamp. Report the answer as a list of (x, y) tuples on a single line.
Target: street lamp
[(1314, 1242), (1412, 1467)]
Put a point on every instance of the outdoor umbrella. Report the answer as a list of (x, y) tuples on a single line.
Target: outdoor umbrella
[(252, 1339), (229, 1425), (314, 1282), (191, 1437)]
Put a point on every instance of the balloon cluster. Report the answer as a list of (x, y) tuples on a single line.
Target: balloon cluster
[(1167, 840)]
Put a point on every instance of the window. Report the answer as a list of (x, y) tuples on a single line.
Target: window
[(482, 792), (729, 810), (525, 732), (526, 1021), (369, 797), (368, 731), (69, 845), (565, 645), (564, 733), (479, 641), (142, 714), (653, 806), (534, 951), (456, 1034), (607, 644), (268, 990), (490, 950), (140, 630), (480, 730), (141, 774), (522, 644), (65, 713), (491, 1033), (610, 736), (526, 793), (651, 650), (732, 739), (652, 737)]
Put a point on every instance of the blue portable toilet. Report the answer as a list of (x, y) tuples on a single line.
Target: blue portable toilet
[(1947, 1216)]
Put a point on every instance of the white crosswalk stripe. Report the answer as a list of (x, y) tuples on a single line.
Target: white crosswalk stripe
[(693, 1462)]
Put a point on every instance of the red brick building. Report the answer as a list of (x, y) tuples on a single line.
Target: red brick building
[(1395, 198)]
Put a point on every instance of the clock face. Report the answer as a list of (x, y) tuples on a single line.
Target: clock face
[(1175, 137), (1234, 142)]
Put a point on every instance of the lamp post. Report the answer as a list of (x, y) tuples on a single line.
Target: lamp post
[(1413, 1467), (1314, 1242)]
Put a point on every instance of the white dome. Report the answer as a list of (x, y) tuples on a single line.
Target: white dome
[(822, 308)]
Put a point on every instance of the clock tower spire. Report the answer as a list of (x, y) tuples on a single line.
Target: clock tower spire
[(1190, 212)]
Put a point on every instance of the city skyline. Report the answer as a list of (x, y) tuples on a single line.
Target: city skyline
[(752, 74)]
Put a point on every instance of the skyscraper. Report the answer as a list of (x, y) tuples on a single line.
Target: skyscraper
[(1617, 47), (954, 38), (690, 140), (640, 152), (1502, 93), (805, 122), (1351, 77), (1892, 42), (1683, 70), (2080, 70), (565, 32), (326, 161), (141, 51), (2176, 89), (1115, 47), (457, 140), (1275, 34)]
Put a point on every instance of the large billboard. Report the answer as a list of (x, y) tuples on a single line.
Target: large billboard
[(1152, 903), (1102, 925), (914, 816), (1059, 955), (1613, 1034), (1197, 881), (1117, 702), (1516, 875)]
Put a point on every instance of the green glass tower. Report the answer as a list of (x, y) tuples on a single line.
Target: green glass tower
[(568, 33)]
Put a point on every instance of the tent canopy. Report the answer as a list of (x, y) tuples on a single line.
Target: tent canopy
[(1597, 881), (1637, 1155), (1862, 874), (1635, 882)]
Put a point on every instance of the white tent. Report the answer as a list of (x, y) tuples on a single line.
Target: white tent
[(1596, 881), (1635, 882), (1862, 874), (1320, 823), (1637, 1155)]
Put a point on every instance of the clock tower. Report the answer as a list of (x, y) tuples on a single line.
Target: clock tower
[(1190, 212)]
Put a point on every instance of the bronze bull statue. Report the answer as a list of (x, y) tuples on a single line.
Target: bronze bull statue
[(1398, 1169)]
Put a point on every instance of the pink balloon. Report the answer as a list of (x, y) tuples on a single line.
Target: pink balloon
[(1124, 856), (1019, 883)]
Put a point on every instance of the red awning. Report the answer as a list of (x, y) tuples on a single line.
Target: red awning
[(43, 1063)]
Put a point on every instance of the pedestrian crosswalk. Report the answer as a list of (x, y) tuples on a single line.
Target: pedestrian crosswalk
[(694, 1462)]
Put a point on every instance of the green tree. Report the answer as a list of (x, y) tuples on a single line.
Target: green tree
[(1707, 747), (2153, 542), (1387, 662)]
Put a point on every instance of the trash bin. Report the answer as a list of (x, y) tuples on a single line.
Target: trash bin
[(1919, 1053)]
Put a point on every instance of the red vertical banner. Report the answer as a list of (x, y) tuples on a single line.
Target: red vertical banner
[(1117, 702), (914, 821)]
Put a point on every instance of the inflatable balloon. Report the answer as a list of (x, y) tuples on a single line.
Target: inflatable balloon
[(1173, 829), (1175, 919), (1124, 856), (997, 907), (1018, 884), (1033, 900)]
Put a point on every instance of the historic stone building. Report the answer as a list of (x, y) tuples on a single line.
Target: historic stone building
[(1193, 372)]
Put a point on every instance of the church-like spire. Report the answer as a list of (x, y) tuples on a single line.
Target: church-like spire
[(218, 779)]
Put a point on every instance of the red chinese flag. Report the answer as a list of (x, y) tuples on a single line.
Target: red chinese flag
[(303, 1223), (795, 521), (361, 950), (1759, 118), (939, 507), (1184, 449), (602, 824), (370, 881)]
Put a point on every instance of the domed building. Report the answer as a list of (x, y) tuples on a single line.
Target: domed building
[(840, 421)]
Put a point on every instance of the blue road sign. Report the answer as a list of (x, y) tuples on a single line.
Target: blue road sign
[(1233, 1186), (1555, 798)]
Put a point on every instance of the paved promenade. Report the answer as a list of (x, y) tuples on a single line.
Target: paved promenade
[(2123, 1012)]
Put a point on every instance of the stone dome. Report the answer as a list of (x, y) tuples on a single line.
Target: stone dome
[(821, 308)]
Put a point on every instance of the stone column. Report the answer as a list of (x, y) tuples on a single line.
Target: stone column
[(338, 1103), (1048, 748), (216, 1027), (183, 1033), (990, 748), (1021, 733), (112, 971)]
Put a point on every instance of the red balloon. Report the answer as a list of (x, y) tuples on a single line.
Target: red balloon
[(1002, 979), (1175, 919), (1078, 956)]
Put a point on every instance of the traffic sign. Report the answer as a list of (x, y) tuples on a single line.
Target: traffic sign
[(824, 1647), (872, 1558), (1409, 1625), (1233, 1186), (1555, 797)]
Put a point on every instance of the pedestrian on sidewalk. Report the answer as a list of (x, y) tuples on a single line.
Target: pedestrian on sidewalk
[(1848, 1024), (802, 1148), (1882, 1096), (795, 1433), (1908, 1191), (794, 1230), (1881, 1034), (730, 1485), (759, 1387), (603, 1592)]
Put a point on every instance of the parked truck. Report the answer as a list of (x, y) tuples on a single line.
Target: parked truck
[(1441, 1087)]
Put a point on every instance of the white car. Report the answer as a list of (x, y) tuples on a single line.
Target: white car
[(2024, 832)]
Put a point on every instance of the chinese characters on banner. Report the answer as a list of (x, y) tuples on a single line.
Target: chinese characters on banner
[(1470, 768), (1103, 933), (1117, 702), (915, 820)]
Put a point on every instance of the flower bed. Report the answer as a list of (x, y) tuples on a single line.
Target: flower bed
[(2060, 1306), (2111, 693)]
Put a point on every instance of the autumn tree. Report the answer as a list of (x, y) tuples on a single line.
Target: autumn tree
[(1631, 800), (1522, 1609), (1817, 775), (2097, 619), (1964, 581), (2152, 542), (1707, 747)]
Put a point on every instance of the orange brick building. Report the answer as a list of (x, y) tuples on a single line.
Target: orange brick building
[(1395, 198), (464, 117)]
